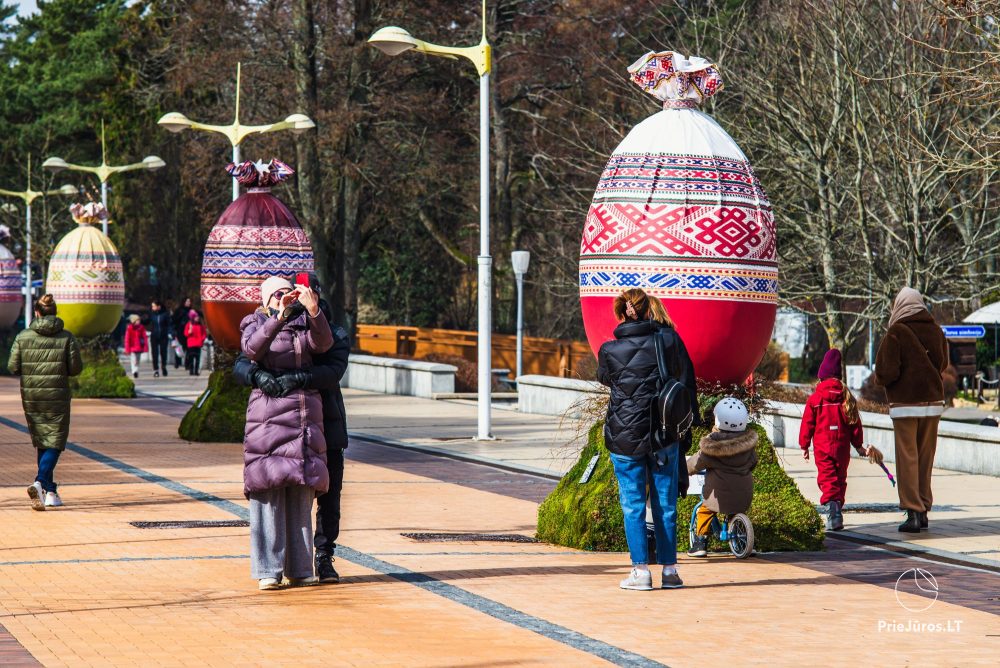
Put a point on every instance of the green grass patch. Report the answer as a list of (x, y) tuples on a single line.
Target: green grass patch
[(588, 516), (221, 416), (102, 377)]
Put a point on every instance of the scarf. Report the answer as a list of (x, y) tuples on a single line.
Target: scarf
[(908, 302)]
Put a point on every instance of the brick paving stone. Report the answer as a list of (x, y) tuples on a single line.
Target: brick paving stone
[(101, 606)]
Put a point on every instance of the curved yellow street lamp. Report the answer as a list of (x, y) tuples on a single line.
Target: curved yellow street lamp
[(104, 171), (392, 41), (28, 196), (236, 132)]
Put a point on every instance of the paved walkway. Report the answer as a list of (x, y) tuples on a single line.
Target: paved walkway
[(83, 585)]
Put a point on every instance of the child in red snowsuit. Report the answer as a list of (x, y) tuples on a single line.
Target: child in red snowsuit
[(832, 423)]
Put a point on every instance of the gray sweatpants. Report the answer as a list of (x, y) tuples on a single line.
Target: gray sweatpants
[(281, 539)]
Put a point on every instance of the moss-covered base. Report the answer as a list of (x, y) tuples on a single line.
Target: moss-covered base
[(103, 376), (589, 517), (219, 417)]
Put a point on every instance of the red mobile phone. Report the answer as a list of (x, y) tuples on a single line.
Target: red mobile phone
[(302, 278)]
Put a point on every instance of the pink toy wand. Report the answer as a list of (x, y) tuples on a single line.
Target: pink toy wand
[(875, 457)]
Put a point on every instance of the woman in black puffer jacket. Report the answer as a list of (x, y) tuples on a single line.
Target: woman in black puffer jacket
[(628, 365)]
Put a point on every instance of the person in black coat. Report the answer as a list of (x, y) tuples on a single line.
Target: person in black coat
[(325, 375), (161, 329), (628, 365)]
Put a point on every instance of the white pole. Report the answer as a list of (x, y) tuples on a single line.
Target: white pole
[(485, 264), (236, 184), (27, 268), (104, 201), (520, 322)]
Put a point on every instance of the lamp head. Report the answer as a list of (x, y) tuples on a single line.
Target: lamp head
[(55, 164), (68, 190), (174, 121), (520, 261), (392, 40), (299, 123), (153, 162)]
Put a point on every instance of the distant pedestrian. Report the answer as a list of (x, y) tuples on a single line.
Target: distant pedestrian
[(136, 342), (194, 335), (832, 423), (45, 356), (910, 360), (644, 456), (180, 319), (161, 331), (284, 448)]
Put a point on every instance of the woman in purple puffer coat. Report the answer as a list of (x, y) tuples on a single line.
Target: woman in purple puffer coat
[(284, 449)]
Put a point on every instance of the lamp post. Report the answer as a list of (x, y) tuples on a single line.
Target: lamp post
[(104, 170), (393, 41), (236, 132), (28, 196), (520, 261)]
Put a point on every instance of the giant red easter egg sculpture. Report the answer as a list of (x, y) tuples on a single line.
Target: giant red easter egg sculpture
[(679, 213), (256, 237)]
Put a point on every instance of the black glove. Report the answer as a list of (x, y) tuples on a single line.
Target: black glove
[(294, 380), (268, 384)]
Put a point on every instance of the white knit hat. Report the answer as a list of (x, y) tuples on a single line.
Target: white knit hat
[(272, 285)]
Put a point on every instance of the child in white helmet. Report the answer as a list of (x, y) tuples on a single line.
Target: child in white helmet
[(728, 456)]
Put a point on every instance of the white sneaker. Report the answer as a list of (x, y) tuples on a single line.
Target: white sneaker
[(37, 496), (52, 500), (638, 580), (268, 584)]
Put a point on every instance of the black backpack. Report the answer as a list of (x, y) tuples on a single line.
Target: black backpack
[(673, 413)]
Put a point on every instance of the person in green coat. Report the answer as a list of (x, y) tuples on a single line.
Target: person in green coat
[(45, 356)]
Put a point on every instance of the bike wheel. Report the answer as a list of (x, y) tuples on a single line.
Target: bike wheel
[(740, 536)]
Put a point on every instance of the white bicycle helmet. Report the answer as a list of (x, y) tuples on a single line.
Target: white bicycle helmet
[(731, 415)]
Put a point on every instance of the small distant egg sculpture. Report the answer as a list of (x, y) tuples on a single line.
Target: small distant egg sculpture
[(85, 275), (680, 213), (11, 287), (256, 236)]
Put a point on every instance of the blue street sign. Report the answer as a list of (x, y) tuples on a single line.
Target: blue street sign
[(964, 331)]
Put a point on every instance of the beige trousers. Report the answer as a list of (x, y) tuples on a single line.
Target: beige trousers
[(916, 442)]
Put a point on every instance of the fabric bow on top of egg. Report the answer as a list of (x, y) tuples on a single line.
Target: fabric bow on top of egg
[(670, 77), (90, 213), (260, 174)]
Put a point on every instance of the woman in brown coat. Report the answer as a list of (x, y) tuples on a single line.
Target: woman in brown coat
[(909, 363)]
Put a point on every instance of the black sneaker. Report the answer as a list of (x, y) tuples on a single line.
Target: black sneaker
[(922, 516), (156, 374), (699, 548), (135, 374), (325, 570)]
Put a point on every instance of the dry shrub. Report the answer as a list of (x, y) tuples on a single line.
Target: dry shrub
[(772, 364)]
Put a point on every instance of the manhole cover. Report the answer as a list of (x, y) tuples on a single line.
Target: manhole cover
[(470, 537), (191, 524)]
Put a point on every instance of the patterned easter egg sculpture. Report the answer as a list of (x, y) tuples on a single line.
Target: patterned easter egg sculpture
[(11, 290), (85, 275), (256, 237), (680, 213)]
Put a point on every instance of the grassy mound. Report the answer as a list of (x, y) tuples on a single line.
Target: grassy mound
[(219, 417), (103, 376), (588, 516)]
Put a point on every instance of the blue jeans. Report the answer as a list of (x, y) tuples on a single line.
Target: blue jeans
[(47, 458), (633, 475)]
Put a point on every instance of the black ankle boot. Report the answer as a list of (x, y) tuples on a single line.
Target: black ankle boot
[(912, 523), (325, 570), (922, 516)]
